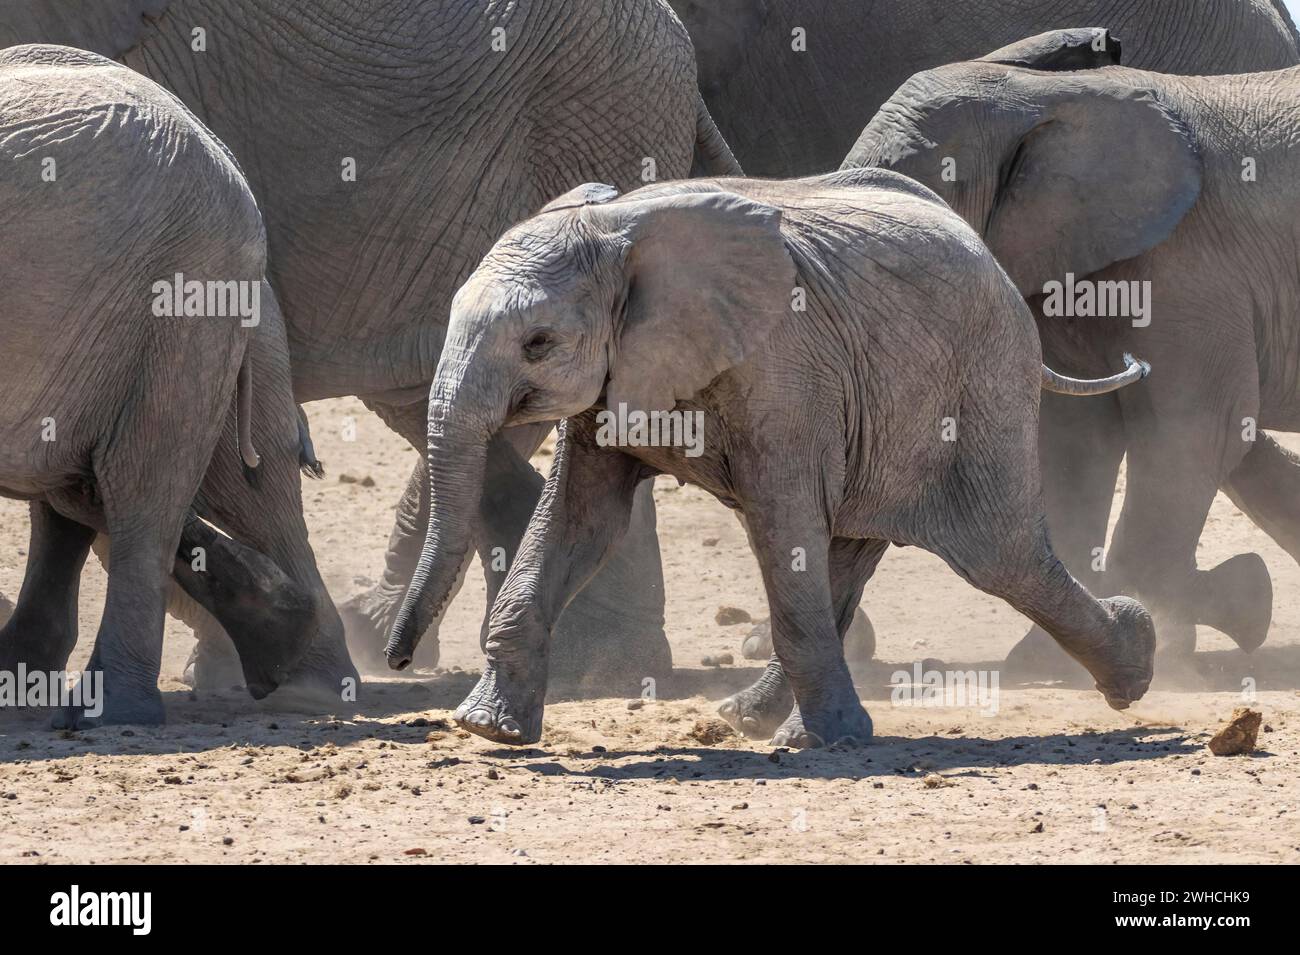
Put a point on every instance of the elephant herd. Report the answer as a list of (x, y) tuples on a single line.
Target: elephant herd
[(985, 251)]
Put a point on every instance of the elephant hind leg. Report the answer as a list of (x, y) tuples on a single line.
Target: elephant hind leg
[(1266, 487), (1114, 639), (42, 631), (1080, 447), (144, 526)]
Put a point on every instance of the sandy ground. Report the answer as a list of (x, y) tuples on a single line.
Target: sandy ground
[(1053, 776)]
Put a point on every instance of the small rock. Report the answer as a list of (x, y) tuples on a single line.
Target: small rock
[(493, 774), (730, 616), (710, 542), (416, 852), (477, 820), (1238, 735), (935, 781), (227, 841), (710, 731), (635, 704), (1037, 828)]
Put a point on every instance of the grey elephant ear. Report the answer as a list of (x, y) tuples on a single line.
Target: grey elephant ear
[(706, 279), (1085, 48), (589, 193), (106, 27), (1105, 175)]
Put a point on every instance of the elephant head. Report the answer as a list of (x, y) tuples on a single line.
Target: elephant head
[(639, 301), (1060, 158)]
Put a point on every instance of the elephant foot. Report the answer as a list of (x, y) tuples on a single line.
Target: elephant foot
[(758, 644), (758, 710), (1123, 662), (601, 654), (823, 725), (859, 642), (367, 617), (490, 710), (1237, 599), (1038, 658), (215, 666), (137, 706), (6, 609)]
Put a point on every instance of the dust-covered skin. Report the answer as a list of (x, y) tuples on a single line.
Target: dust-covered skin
[(1181, 192), (113, 407), (826, 422), (389, 145), (790, 111), (1233, 811)]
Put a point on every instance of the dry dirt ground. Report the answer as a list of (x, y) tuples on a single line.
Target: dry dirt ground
[(1053, 776)]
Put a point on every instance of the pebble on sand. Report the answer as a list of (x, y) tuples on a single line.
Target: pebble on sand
[(1238, 735), (711, 732), (730, 616)]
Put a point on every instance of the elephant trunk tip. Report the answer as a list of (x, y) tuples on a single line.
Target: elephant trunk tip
[(400, 646)]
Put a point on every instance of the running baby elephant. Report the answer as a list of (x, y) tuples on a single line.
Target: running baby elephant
[(118, 206), (864, 372), (1144, 212)]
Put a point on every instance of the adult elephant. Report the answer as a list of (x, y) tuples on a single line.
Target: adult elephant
[(793, 103), (389, 145), (791, 112), (1163, 208)]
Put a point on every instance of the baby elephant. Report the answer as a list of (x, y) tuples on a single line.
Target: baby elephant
[(862, 370), (133, 273)]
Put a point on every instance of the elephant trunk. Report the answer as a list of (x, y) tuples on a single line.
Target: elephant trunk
[(459, 431), (1134, 370), (713, 157)]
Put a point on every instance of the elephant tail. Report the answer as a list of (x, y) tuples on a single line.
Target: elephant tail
[(713, 157), (244, 409), (1135, 369), (307, 461)]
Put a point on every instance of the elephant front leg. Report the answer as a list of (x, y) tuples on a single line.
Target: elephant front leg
[(585, 509), (1180, 453), (757, 711), (812, 600)]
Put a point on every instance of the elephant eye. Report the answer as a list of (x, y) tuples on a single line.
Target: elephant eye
[(538, 344)]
